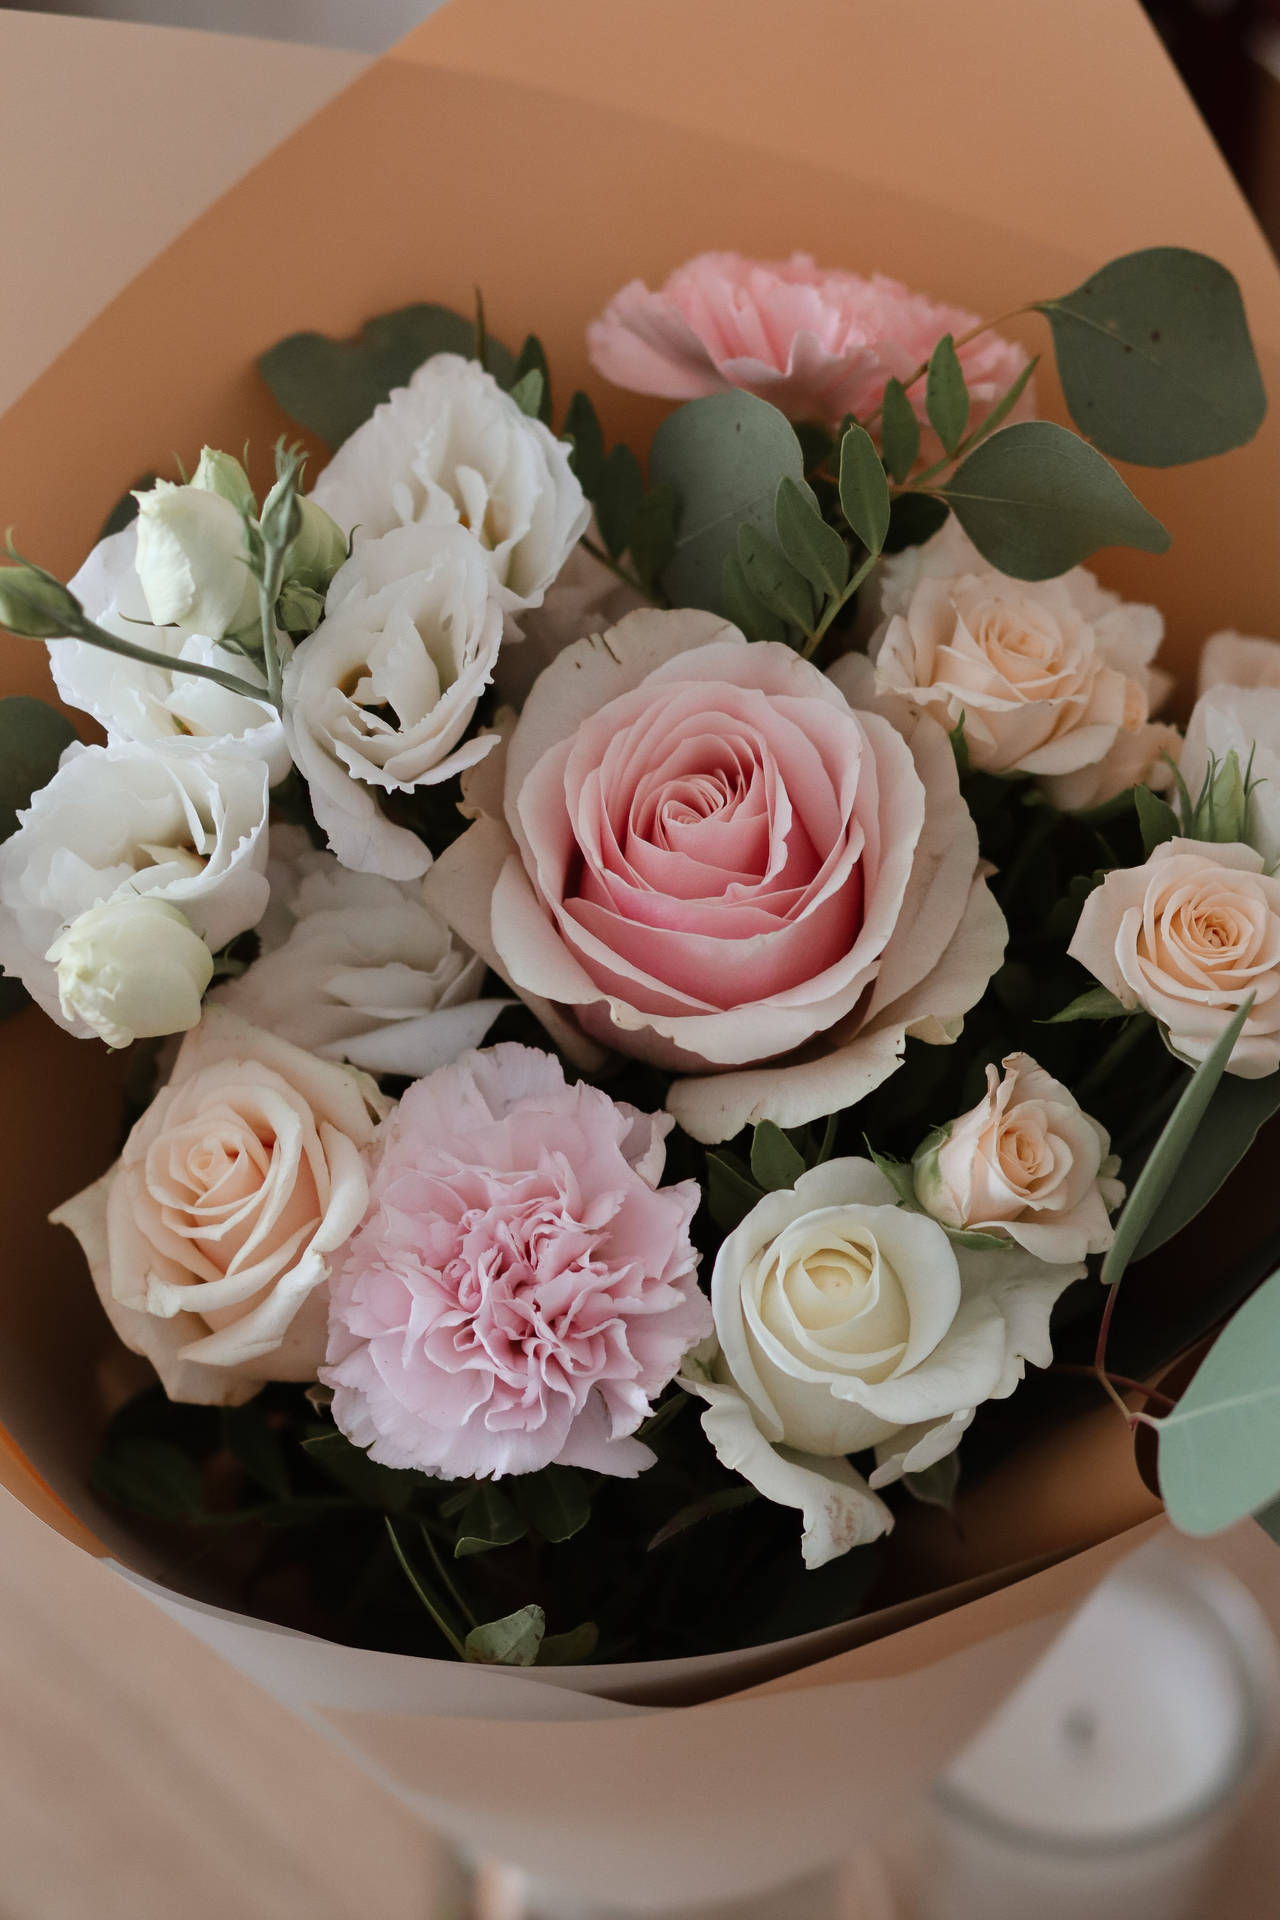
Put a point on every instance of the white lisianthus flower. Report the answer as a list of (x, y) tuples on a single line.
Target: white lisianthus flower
[(187, 828), (379, 697), (131, 969), (133, 701), (846, 1323), (193, 560), (1026, 1164), (450, 449), (358, 968)]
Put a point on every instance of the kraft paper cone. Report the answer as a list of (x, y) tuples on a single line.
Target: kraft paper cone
[(989, 151)]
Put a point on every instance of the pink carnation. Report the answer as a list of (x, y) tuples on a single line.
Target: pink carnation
[(818, 344), (521, 1288)]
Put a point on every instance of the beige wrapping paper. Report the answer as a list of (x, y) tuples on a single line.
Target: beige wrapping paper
[(988, 150)]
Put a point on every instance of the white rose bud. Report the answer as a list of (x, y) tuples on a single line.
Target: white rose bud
[(130, 969), (1025, 1164), (193, 562)]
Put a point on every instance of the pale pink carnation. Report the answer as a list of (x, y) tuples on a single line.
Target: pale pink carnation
[(521, 1288), (816, 343)]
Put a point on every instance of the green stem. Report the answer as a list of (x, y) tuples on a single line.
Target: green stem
[(974, 333), (96, 636), (422, 1593), (598, 553), (814, 640), (449, 1584)]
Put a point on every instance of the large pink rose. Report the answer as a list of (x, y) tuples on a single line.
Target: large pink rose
[(704, 855), (818, 344)]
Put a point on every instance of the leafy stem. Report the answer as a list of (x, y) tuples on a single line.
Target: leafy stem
[(974, 333), (96, 636), (426, 1599), (813, 640)]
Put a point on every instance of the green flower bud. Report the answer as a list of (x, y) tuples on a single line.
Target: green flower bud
[(281, 516), (222, 473), (35, 605), (1222, 808), (299, 609), (318, 550)]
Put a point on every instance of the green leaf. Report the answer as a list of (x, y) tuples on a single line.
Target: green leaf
[(864, 489), (150, 1476), (513, 1641), (489, 1519), (723, 458), (529, 392), (899, 431), (775, 1162), (724, 1500), (1155, 358), (946, 397), (1156, 818), (653, 535), (773, 580), (1036, 500), (813, 548), (960, 748), (739, 604), (900, 1175), (1170, 1151), (731, 1193), (1220, 1447), (582, 427), (936, 1486), (554, 1502), (1231, 1123), (247, 1434), (532, 359), (389, 1488), (1097, 1003), (33, 738), (1003, 407), (125, 510), (569, 1649), (331, 387), (618, 500)]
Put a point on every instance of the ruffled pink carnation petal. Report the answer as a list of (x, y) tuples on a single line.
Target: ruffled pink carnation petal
[(521, 1288)]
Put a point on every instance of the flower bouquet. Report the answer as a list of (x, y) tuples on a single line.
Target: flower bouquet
[(657, 977)]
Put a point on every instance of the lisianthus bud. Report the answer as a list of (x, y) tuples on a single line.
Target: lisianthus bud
[(35, 605), (281, 516), (222, 473), (131, 968), (318, 546), (192, 560)]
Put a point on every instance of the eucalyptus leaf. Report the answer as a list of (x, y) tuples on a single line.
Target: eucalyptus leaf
[(775, 1162), (864, 489), (773, 580), (582, 427), (723, 458), (946, 397), (569, 1649), (1036, 500), (1231, 1123), (1156, 819), (899, 431), (1155, 358), (618, 499), (813, 548), (554, 1502), (331, 387), (528, 393), (513, 1641), (1167, 1157), (739, 604), (1003, 407), (1220, 1447), (531, 359), (488, 1520), (1096, 1003), (653, 534), (731, 1193), (33, 738)]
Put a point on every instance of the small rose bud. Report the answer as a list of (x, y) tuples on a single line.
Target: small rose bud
[(222, 473), (131, 968), (191, 561), (35, 605)]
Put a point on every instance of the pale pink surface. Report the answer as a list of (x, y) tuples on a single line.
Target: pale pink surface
[(816, 343), (521, 1288)]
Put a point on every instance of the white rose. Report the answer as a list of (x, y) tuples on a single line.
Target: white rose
[(185, 828), (131, 968), (846, 1322), (209, 1241), (364, 971), (1189, 936), (453, 448), (1027, 1164), (1048, 674), (193, 560), (133, 701), (1239, 711), (379, 697)]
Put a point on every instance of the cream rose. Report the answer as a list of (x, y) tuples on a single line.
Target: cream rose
[(210, 1239), (1026, 1164), (379, 697), (847, 1323), (358, 968), (452, 449), (130, 969), (711, 856), (1049, 675), (185, 828), (1189, 936)]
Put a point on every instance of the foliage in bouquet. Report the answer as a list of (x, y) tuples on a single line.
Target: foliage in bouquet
[(691, 970)]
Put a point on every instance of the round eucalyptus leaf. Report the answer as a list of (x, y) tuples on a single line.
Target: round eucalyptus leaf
[(1220, 1447)]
